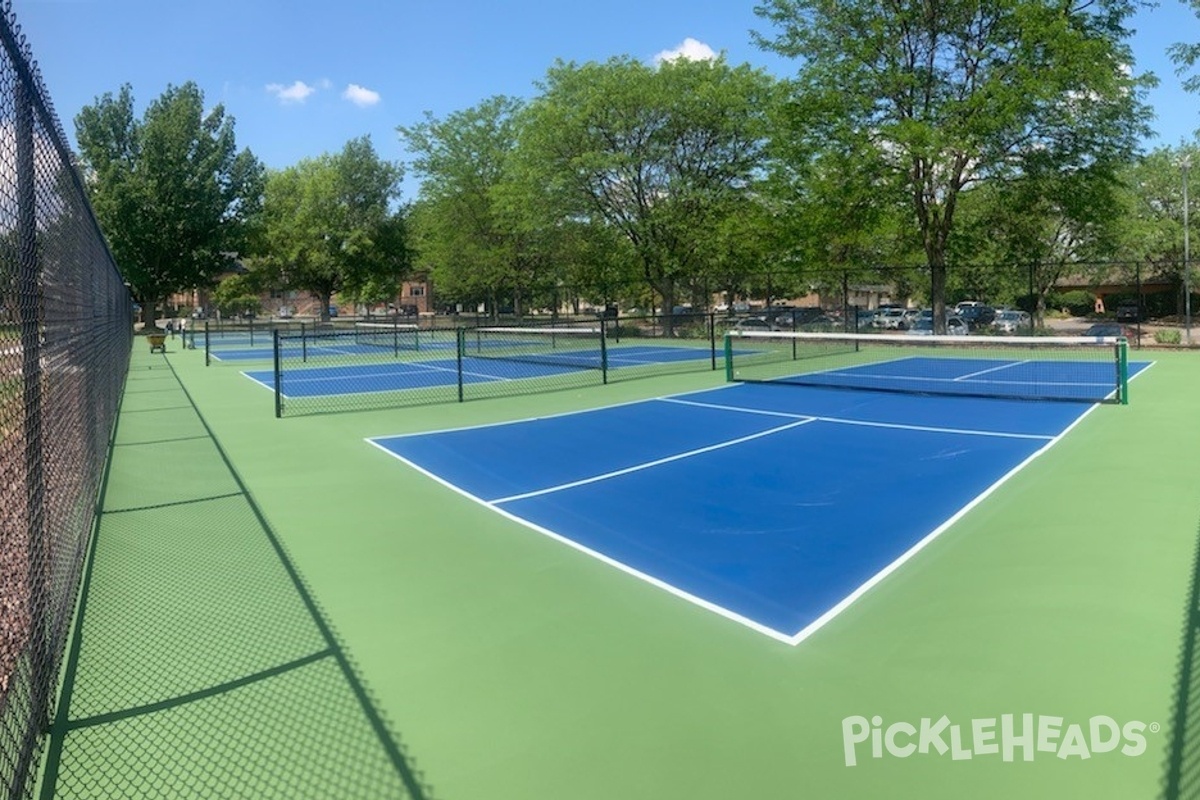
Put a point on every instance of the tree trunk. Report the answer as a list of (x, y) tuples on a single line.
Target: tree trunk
[(937, 289)]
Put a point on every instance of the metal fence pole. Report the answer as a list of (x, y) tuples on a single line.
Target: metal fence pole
[(29, 312)]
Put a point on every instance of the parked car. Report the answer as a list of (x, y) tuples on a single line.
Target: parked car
[(1010, 321), (1129, 311), (977, 315), (1110, 329), (752, 324), (864, 318), (889, 318), (796, 317), (955, 326)]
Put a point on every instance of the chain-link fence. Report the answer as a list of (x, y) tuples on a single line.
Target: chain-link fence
[(65, 327)]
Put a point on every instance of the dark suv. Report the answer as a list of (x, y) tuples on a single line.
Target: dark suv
[(977, 316), (1129, 311)]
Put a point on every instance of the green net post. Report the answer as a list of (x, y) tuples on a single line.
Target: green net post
[(728, 357), (1123, 370)]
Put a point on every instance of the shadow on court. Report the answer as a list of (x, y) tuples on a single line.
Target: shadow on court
[(1182, 773), (200, 664)]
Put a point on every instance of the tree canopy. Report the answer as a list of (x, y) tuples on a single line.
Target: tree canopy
[(471, 246), (171, 191), (660, 155), (939, 97), (330, 225)]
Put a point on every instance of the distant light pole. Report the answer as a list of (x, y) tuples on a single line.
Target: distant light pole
[(1187, 270)]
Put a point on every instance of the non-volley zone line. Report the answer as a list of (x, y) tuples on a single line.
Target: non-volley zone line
[(737, 499), (799, 419), (1003, 374), (866, 423)]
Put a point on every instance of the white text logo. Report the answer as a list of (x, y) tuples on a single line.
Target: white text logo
[(1011, 737)]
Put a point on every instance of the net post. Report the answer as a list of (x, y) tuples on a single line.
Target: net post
[(207, 346), (460, 340), (1123, 370), (728, 357), (712, 338), (603, 351), (278, 375)]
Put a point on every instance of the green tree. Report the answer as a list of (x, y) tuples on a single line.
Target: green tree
[(238, 295), (655, 154), (171, 192), (1187, 54), (938, 97), (472, 233), (1151, 212), (1039, 228), (330, 225)]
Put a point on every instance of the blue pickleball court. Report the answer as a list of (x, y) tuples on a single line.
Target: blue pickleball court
[(762, 503)]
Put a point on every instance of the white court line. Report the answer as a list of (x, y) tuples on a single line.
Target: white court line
[(596, 554), (868, 423), (1009, 365), (931, 379), (655, 463), (790, 639), (874, 580)]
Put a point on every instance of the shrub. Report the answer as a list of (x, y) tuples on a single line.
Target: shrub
[(1168, 336)]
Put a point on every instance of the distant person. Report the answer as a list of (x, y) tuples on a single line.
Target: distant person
[(171, 328)]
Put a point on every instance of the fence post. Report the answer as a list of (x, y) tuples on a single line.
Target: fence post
[(712, 338), (278, 376), (460, 341), (29, 312), (603, 350)]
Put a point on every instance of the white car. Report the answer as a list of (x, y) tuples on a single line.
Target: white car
[(753, 324), (890, 319), (1009, 321), (909, 317)]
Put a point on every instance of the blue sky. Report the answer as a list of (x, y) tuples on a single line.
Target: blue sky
[(302, 79)]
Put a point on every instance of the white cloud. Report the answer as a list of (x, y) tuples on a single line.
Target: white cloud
[(298, 92), (360, 96), (690, 49)]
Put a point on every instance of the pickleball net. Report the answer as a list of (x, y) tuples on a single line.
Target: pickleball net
[(567, 347), (1074, 368)]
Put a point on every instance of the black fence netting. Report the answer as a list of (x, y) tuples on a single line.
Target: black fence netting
[(65, 328)]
